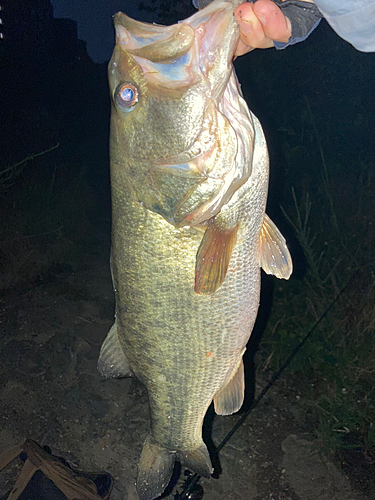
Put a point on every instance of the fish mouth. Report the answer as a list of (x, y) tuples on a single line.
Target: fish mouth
[(189, 62), (180, 55), (157, 43)]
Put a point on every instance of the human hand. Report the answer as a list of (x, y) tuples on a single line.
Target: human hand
[(260, 24)]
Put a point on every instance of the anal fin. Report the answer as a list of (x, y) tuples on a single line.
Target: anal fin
[(274, 256), (213, 257), (230, 398), (112, 360)]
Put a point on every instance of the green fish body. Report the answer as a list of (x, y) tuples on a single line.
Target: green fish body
[(189, 176)]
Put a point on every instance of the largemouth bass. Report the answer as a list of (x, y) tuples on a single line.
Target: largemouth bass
[(189, 175)]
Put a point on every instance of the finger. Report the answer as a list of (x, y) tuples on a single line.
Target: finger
[(251, 29), (242, 49), (275, 25)]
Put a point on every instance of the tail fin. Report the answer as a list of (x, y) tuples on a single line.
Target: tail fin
[(154, 470), (156, 466), (197, 461)]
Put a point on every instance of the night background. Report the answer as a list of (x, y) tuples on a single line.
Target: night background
[(316, 103)]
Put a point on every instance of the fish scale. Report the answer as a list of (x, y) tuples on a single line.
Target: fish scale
[(198, 320), (186, 272)]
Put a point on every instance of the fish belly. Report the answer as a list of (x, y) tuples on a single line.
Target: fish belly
[(183, 346), (180, 344)]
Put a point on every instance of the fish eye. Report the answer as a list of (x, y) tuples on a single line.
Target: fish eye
[(126, 96)]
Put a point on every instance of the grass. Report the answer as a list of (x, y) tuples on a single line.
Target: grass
[(10, 173), (45, 220), (335, 232)]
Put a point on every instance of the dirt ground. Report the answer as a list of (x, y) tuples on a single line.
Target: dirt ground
[(51, 392)]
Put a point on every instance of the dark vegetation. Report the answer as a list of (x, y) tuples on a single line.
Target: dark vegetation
[(316, 104), (55, 99)]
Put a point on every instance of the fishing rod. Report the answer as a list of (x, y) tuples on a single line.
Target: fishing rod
[(192, 490)]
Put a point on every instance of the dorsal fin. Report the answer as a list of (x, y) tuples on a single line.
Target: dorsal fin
[(274, 256), (112, 360)]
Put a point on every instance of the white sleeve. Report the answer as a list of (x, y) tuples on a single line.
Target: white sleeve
[(353, 20)]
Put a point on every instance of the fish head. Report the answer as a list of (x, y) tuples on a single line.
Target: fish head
[(167, 132)]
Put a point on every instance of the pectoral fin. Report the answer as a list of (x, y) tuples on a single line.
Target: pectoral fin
[(274, 256), (230, 398), (213, 257), (112, 360)]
